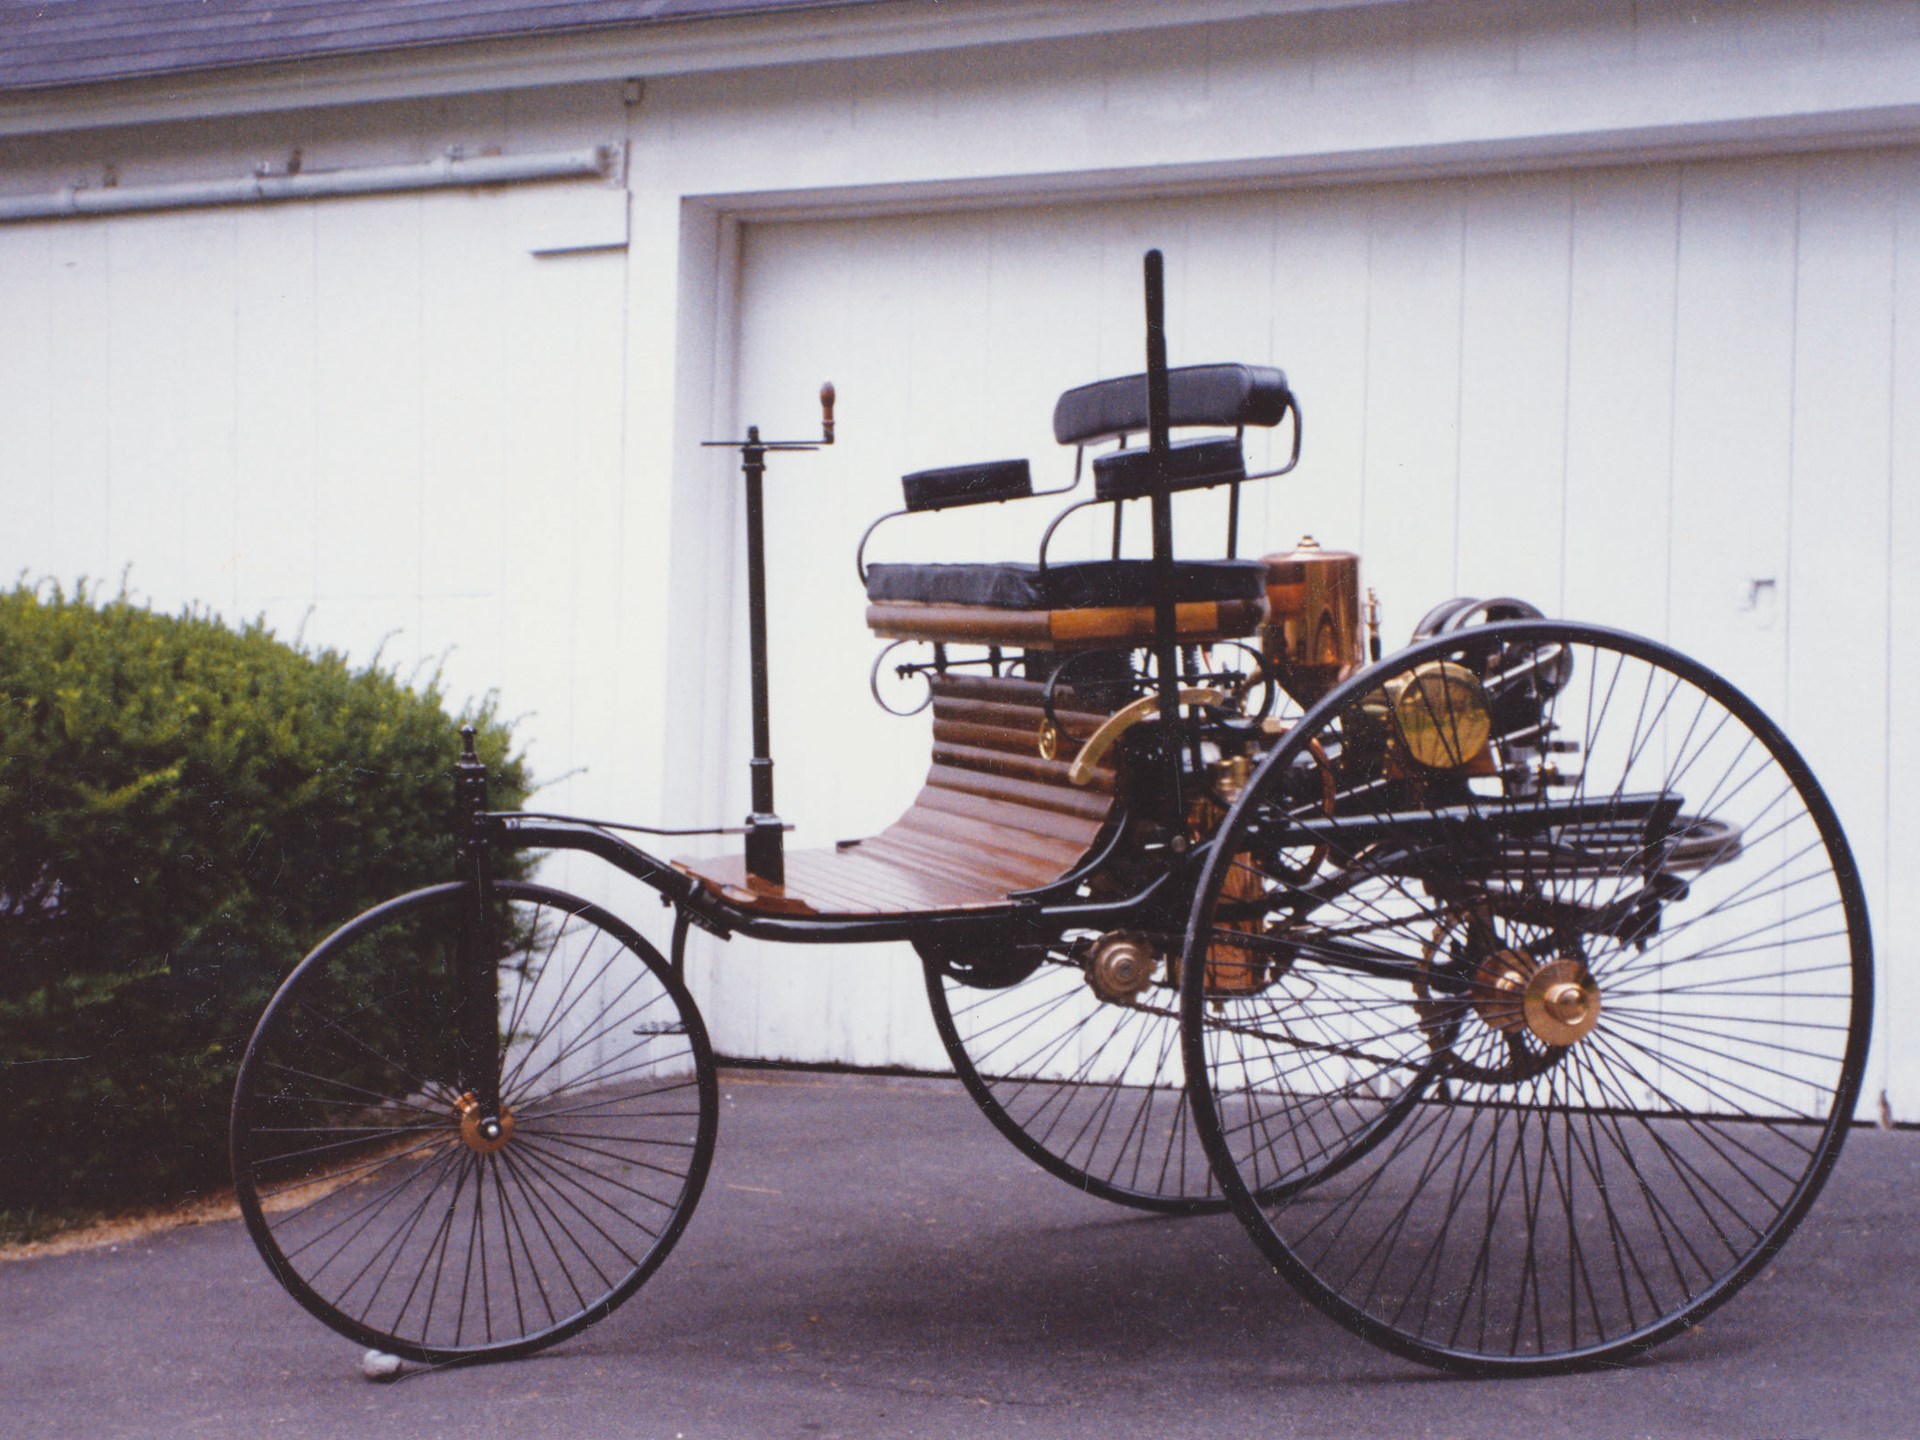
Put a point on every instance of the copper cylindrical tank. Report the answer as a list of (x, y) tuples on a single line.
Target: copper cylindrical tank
[(1312, 634)]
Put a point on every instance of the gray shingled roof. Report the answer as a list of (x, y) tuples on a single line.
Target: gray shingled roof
[(67, 42)]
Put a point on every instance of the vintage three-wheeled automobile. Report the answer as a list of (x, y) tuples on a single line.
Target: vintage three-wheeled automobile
[(1512, 987)]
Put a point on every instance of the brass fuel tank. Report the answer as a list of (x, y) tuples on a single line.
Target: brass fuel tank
[(1312, 634)]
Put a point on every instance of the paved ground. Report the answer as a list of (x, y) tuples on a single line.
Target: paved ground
[(871, 1259)]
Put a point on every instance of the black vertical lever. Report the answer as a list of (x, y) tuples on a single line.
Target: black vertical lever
[(1158, 424)]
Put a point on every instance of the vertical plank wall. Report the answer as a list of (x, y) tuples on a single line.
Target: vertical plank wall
[(1679, 399), (382, 424)]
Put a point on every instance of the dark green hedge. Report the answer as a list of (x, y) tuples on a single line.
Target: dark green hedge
[(184, 810)]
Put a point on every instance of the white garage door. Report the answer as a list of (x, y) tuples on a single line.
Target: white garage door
[(1678, 399)]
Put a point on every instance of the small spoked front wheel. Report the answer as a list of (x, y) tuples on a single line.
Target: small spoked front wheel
[(1584, 918), (378, 1195)]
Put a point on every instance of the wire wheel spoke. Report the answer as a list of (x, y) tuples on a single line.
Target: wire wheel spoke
[(1601, 982), (1090, 1089), (399, 1223), (1090, 1083)]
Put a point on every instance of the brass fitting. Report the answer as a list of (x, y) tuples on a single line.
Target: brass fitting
[(477, 1135), (1121, 965)]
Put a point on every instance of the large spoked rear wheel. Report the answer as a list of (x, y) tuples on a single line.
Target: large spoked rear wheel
[(1072, 1047), (1585, 904), (1091, 1090), (363, 1173)]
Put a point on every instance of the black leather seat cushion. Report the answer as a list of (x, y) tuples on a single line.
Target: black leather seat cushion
[(1214, 395), (1191, 465), (975, 484), (1075, 585)]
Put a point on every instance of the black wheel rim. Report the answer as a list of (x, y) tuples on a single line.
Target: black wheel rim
[(1091, 1091), (392, 1224), (1544, 1203), (1095, 1092)]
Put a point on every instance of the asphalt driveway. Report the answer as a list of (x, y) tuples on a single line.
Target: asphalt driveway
[(871, 1259)]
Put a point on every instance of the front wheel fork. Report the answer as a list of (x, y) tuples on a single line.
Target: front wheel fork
[(475, 983), (475, 988)]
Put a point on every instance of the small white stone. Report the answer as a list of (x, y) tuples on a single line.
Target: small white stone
[(378, 1365)]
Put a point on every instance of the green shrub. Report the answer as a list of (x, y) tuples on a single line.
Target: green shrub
[(184, 811)]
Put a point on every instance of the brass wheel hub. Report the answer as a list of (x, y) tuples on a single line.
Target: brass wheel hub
[(1121, 966), (1562, 1002), (476, 1132), (1558, 1002)]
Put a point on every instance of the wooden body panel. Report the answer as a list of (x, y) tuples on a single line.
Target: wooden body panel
[(993, 818), (1196, 622)]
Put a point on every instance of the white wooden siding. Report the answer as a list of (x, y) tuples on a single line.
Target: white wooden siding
[(381, 424), (1627, 393), (1629, 396)]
